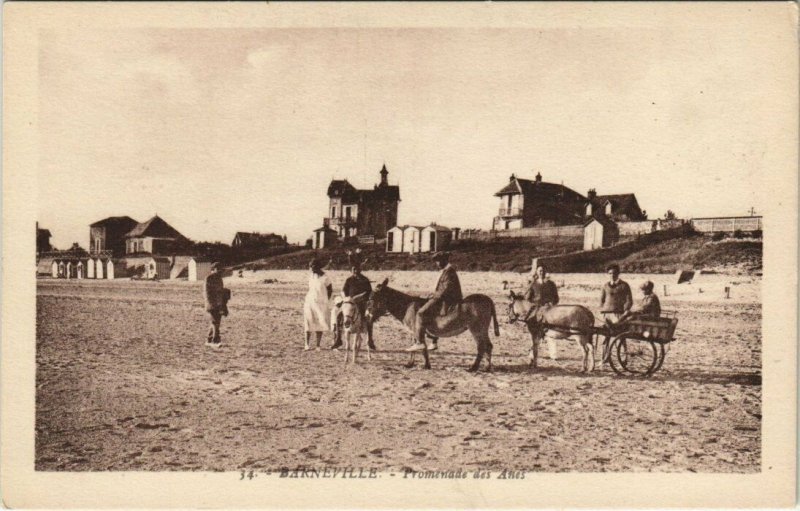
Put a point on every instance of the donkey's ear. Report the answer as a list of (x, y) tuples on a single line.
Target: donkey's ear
[(512, 294), (385, 282)]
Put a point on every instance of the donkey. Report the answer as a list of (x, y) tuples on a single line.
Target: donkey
[(475, 313), (555, 322), (353, 324)]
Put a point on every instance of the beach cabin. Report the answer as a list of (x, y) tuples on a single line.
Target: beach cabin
[(394, 239), (180, 267), (411, 238), (90, 269), (80, 270), (54, 270), (199, 269), (434, 238), (157, 268), (323, 237), (116, 269), (70, 268), (599, 233), (99, 269), (62, 270)]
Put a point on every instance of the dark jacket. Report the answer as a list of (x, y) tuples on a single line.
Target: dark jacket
[(542, 293), (649, 306), (616, 298), (448, 290), (214, 293), (357, 284)]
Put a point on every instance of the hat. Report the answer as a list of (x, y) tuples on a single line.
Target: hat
[(354, 257), (215, 266), (441, 256), (314, 263), (646, 286)]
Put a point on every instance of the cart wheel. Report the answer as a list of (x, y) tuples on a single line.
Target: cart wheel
[(613, 357), (662, 353), (636, 356)]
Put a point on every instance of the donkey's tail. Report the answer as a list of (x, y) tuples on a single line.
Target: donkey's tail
[(494, 319)]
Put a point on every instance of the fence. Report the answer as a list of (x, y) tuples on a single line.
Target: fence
[(727, 224)]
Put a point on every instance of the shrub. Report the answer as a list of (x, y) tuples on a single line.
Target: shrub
[(717, 236), (738, 234), (757, 234)]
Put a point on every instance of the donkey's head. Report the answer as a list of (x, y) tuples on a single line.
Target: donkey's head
[(376, 306), (517, 306), (351, 313)]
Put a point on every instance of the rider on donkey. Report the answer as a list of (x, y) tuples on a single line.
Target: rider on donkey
[(541, 293), (355, 285), (447, 295)]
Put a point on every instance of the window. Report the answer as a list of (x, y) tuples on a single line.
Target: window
[(608, 208), (333, 212)]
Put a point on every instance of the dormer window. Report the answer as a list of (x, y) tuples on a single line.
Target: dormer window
[(589, 209), (608, 208)]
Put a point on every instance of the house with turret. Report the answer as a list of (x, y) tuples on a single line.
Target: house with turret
[(362, 212)]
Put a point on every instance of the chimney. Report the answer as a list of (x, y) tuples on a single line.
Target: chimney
[(592, 194), (513, 177), (538, 177)]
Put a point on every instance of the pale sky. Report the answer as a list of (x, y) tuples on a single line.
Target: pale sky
[(220, 130)]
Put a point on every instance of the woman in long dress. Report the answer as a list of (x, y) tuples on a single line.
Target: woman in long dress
[(316, 310)]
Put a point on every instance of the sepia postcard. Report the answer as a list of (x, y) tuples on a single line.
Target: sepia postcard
[(395, 255)]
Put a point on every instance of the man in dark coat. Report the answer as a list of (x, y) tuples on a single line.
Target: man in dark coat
[(447, 295), (355, 285), (216, 303), (541, 293)]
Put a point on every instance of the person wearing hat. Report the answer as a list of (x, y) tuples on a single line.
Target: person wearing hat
[(316, 308), (447, 294), (649, 306), (216, 303), (355, 285)]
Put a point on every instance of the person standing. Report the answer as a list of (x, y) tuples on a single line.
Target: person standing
[(355, 285), (447, 294), (615, 301), (216, 304), (316, 308), (615, 297)]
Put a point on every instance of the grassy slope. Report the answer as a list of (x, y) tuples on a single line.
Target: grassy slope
[(660, 256)]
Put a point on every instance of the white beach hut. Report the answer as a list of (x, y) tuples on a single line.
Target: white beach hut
[(394, 239), (99, 269), (90, 269), (434, 238), (411, 238), (199, 268)]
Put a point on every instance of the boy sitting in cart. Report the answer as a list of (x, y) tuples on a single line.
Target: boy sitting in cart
[(648, 308)]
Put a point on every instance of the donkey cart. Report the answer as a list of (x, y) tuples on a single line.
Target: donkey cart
[(637, 346)]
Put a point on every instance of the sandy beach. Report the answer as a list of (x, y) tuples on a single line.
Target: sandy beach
[(124, 382)]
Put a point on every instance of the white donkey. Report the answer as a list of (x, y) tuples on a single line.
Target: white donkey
[(353, 323)]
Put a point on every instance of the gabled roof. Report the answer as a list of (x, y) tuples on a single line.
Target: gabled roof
[(602, 219), (527, 186), (156, 227), (324, 229), (115, 221), (341, 188), (619, 202), (439, 228), (417, 227)]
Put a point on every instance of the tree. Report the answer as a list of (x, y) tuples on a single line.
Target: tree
[(669, 215)]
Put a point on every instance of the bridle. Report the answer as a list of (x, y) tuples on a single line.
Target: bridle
[(513, 317)]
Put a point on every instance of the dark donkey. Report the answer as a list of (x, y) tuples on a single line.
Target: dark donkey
[(474, 313)]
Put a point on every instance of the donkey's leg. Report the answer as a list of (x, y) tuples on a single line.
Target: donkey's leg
[(488, 348), (534, 355), (356, 346), (369, 350), (589, 347), (425, 354), (346, 346), (481, 346)]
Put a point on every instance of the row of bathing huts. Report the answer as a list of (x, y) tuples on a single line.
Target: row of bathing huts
[(147, 268)]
